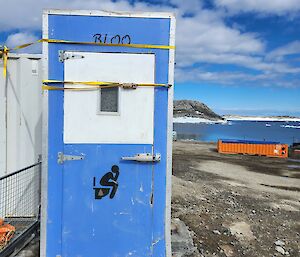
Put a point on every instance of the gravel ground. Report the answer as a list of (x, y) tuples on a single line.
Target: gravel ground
[(230, 205), (234, 205)]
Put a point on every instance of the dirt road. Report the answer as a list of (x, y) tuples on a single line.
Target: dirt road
[(234, 205)]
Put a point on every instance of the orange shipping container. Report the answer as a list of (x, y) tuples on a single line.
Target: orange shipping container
[(264, 148)]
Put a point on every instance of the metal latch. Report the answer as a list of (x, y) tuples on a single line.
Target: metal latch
[(62, 56), (143, 157), (129, 85), (61, 157)]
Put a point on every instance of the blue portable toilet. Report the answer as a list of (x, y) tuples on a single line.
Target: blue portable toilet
[(108, 99)]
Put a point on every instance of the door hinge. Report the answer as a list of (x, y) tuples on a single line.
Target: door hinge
[(143, 157), (61, 157), (62, 56)]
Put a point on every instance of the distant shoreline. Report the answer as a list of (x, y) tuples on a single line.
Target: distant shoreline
[(234, 118), (188, 111), (261, 118), (197, 120)]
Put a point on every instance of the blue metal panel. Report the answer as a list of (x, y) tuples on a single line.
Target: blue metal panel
[(108, 227), (63, 212), (160, 146)]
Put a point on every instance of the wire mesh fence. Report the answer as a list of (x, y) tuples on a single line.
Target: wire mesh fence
[(19, 207), (20, 193)]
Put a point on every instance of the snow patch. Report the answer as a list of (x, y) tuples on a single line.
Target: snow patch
[(197, 120), (261, 118), (290, 126)]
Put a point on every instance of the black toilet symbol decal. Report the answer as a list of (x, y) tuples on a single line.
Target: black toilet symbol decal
[(109, 184)]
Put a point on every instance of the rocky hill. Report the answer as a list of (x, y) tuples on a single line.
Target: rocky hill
[(194, 109)]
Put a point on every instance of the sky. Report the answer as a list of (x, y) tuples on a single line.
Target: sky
[(236, 56)]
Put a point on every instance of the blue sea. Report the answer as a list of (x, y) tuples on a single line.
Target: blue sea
[(283, 132)]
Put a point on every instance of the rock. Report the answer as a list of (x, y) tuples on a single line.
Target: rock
[(203, 199), (280, 249), (279, 243), (242, 231), (182, 239), (228, 250), (188, 108), (217, 232)]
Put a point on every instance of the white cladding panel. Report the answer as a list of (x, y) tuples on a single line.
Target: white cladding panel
[(21, 112), (133, 124)]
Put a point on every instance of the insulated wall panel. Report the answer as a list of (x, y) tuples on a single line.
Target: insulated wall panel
[(20, 112)]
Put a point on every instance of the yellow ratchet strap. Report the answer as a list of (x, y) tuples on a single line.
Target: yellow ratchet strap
[(93, 85), (166, 47), (4, 54), (5, 51)]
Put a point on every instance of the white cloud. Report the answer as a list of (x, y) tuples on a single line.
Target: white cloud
[(206, 39), (21, 38), (278, 7), (208, 33), (278, 54), (205, 32), (27, 14), (235, 78), (202, 35), (188, 6)]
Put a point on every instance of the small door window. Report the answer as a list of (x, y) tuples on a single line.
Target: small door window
[(109, 100)]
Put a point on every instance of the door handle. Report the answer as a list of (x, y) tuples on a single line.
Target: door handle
[(142, 157)]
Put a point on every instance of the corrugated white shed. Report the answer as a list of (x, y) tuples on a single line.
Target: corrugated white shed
[(20, 112)]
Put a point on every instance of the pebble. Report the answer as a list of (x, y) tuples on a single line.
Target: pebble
[(217, 232), (279, 243), (280, 249)]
